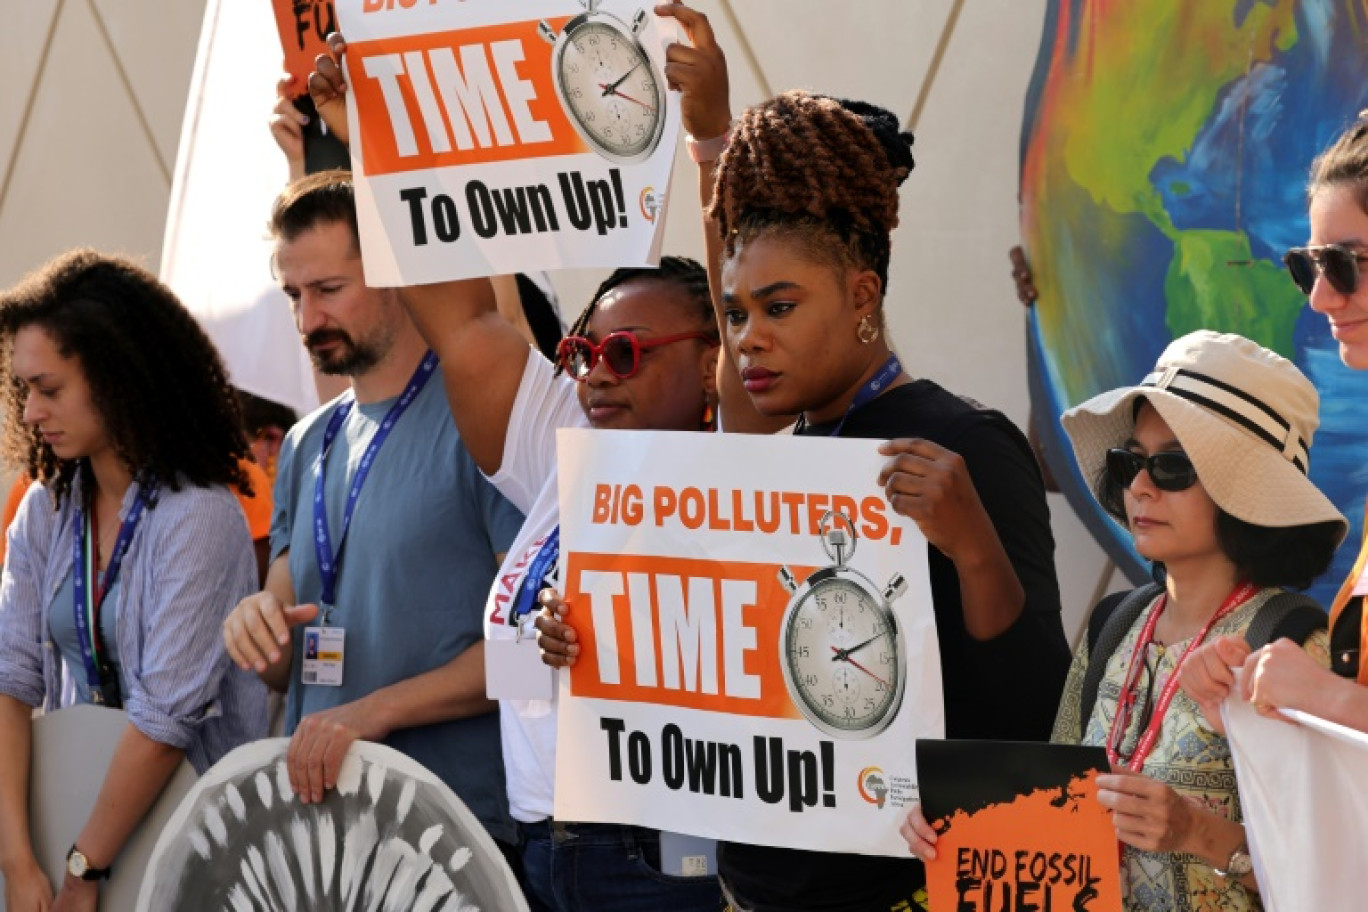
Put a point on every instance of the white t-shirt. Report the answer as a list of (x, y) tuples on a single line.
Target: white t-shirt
[(527, 477)]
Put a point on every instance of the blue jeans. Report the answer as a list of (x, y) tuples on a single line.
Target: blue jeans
[(600, 867)]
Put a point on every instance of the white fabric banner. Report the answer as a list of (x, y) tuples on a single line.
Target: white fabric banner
[(759, 650), (1302, 790), (489, 137), (215, 254)]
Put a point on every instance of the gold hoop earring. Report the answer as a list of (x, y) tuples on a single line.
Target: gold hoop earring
[(867, 331)]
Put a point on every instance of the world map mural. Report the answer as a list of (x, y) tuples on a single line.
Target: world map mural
[(1164, 155)]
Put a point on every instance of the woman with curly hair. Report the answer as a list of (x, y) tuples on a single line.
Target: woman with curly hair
[(805, 202), (126, 553)]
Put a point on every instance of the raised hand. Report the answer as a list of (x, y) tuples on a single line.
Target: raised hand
[(287, 125), (328, 87), (699, 73)]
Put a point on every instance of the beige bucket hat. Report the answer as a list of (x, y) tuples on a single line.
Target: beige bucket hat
[(1244, 415)]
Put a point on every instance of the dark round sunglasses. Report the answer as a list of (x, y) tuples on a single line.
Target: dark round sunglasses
[(620, 351), (1168, 471), (1339, 265)]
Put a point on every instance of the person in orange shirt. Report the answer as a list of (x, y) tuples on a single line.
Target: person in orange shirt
[(265, 422)]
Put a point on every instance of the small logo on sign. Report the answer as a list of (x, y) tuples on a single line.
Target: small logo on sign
[(873, 785), (651, 203)]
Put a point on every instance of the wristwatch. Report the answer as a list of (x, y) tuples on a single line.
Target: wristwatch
[(78, 866), (1238, 865)]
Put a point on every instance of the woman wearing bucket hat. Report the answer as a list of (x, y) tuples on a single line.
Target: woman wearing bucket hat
[(1205, 462), (1328, 271)]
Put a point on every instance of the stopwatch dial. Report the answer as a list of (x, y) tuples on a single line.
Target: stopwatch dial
[(841, 650), (610, 88)]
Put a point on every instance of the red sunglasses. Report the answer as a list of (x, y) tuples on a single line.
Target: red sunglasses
[(620, 351)]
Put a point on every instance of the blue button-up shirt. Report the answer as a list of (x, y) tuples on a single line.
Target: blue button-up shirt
[(190, 562)]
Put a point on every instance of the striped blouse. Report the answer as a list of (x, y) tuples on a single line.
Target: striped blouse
[(189, 564)]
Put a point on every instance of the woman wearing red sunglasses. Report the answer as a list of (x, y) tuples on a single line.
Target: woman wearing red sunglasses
[(1328, 271), (642, 355)]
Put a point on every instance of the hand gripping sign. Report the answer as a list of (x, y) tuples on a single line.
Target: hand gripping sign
[(492, 137), (758, 647)]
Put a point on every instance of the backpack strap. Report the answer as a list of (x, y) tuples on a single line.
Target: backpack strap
[(1287, 614), (1107, 627)]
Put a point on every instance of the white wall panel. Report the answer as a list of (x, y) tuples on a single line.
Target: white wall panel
[(84, 173), (87, 170)]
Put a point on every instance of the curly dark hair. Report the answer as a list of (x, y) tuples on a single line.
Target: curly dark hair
[(821, 170), (156, 380), (1344, 163), (688, 275)]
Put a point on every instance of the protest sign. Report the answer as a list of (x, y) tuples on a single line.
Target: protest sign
[(1305, 808), (490, 138), (758, 646), (1020, 827), (304, 26), (390, 835), (71, 752)]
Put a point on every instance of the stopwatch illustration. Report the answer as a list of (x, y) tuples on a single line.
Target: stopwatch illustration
[(606, 83), (840, 644)]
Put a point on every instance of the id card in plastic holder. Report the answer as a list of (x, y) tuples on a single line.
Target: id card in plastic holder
[(514, 670), (324, 655)]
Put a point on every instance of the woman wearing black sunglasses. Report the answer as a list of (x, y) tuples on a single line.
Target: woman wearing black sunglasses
[(1205, 462), (1328, 272)]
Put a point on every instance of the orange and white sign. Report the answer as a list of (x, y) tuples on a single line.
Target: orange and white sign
[(758, 646), (492, 137)]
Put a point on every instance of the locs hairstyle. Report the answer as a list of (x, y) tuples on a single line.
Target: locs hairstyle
[(155, 379), (821, 170)]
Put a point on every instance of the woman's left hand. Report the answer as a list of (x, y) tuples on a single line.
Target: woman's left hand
[(931, 486), (1147, 813), (77, 896)]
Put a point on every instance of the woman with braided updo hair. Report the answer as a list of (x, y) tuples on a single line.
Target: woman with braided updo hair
[(805, 201)]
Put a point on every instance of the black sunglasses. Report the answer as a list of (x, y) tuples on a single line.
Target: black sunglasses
[(1338, 264), (1168, 471)]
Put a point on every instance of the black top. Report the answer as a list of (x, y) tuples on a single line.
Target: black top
[(1005, 688)]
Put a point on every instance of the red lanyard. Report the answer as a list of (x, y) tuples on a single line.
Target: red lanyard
[(1126, 704)]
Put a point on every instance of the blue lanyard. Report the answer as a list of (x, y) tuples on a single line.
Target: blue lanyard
[(877, 384), (329, 560), (89, 597), (535, 578)]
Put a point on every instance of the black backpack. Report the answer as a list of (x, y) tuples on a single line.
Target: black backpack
[(1287, 614)]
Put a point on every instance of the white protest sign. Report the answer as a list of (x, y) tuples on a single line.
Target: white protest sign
[(490, 137), (71, 752), (759, 649), (1305, 808)]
